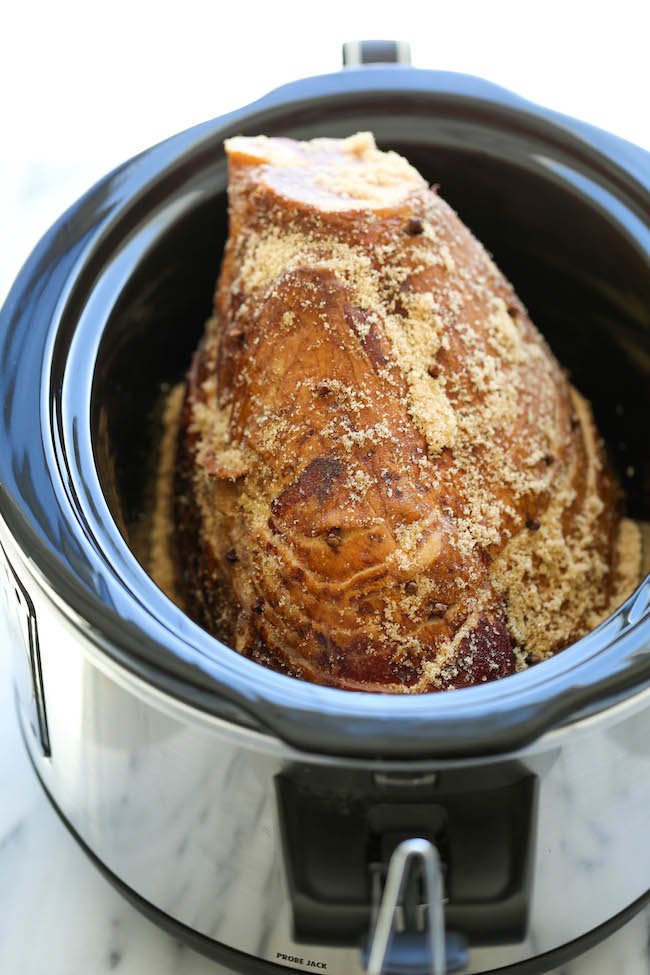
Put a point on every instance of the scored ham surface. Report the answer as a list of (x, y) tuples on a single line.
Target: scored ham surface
[(384, 479)]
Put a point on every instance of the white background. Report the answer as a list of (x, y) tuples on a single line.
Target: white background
[(83, 86)]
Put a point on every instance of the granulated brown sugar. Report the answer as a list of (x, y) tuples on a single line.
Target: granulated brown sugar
[(161, 565), (393, 479)]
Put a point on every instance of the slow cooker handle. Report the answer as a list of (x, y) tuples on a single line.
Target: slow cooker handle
[(443, 953), (357, 53)]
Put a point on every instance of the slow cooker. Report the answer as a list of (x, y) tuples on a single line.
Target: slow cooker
[(272, 823)]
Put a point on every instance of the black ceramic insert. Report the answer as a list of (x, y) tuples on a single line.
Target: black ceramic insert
[(112, 301)]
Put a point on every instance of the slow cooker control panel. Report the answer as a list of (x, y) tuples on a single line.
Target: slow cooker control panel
[(340, 829)]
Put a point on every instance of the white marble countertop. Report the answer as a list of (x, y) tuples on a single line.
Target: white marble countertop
[(59, 916)]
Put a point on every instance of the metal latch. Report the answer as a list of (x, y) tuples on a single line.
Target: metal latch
[(408, 925)]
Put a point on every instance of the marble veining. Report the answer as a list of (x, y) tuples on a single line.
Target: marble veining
[(59, 916)]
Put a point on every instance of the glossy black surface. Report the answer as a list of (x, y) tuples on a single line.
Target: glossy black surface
[(112, 301)]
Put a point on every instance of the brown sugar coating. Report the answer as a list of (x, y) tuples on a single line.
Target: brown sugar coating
[(384, 480)]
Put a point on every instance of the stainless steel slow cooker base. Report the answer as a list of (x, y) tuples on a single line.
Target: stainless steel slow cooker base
[(239, 962), (259, 812)]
